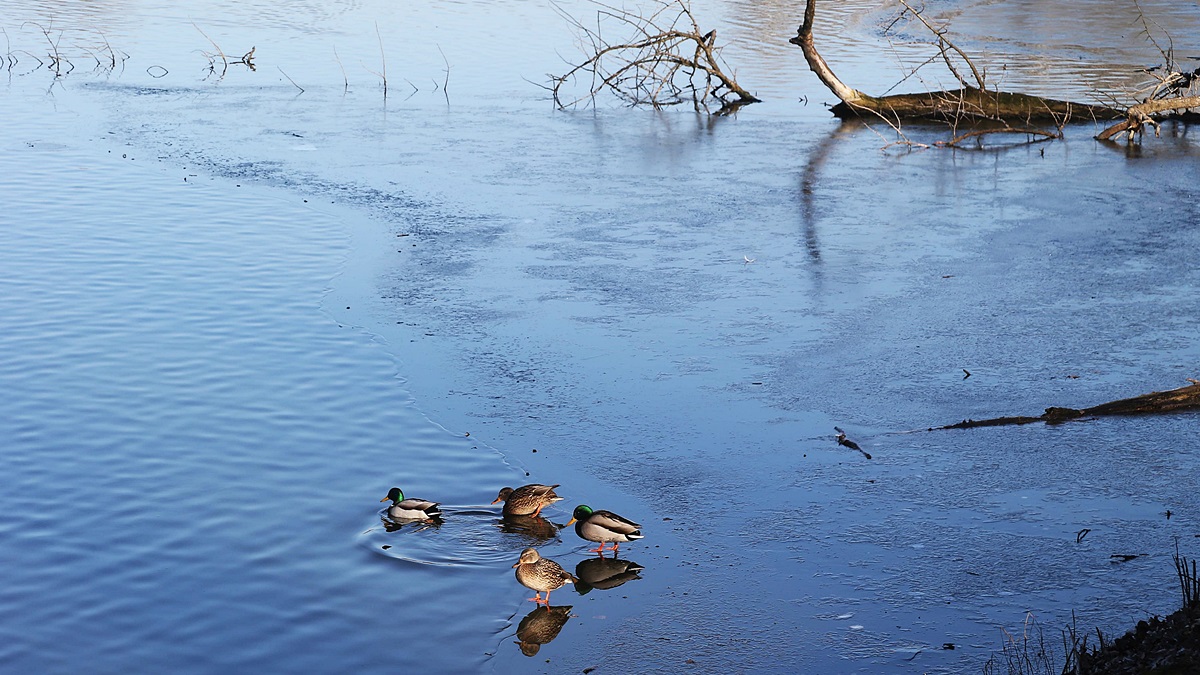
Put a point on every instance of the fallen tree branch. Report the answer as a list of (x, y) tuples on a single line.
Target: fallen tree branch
[(842, 440), (969, 102), (1158, 402), (668, 60), (1142, 114)]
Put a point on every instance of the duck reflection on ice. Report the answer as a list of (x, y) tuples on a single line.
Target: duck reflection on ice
[(605, 573), (540, 627), (531, 526)]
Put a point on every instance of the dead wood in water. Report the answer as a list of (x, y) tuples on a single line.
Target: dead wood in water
[(973, 101), (667, 60), (1158, 402), (1172, 91), (842, 440)]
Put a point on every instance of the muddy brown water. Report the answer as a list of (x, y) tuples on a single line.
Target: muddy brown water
[(235, 314)]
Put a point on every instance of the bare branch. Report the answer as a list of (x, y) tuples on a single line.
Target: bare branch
[(943, 43), (666, 61)]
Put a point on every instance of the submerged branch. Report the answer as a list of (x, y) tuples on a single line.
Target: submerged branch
[(1158, 402)]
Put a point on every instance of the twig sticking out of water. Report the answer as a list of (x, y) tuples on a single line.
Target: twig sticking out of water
[(212, 56), (383, 60), (104, 55), (56, 58), (842, 440), (445, 82), (345, 80), (246, 59), (291, 80), (9, 61)]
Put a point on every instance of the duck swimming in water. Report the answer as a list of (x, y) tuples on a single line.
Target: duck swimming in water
[(527, 500), (411, 508)]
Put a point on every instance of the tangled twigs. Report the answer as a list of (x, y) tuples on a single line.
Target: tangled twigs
[(1171, 90), (246, 59), (668, 60), (945, 46)]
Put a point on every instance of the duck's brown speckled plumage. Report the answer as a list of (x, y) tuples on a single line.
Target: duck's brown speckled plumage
[(527, 500), (542, 575)]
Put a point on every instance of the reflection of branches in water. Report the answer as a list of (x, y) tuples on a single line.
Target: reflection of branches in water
[(57, 60), (63, 49), (668, 60), (246, 59)]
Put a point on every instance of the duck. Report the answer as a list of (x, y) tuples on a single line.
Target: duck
[(527, 500), (603, 527), (411, 508), (541, 575)]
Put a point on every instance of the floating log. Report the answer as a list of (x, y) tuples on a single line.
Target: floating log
[(1157, 402)]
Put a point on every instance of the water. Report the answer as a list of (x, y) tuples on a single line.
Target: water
[(236, 314)]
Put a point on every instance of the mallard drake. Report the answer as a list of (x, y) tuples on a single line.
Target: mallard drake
[(411, 508), (541, 574), (603, 527), (527, 500)]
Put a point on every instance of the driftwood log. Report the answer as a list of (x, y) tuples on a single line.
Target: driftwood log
[(968, 102), (1143, 114), (1175, 400)]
